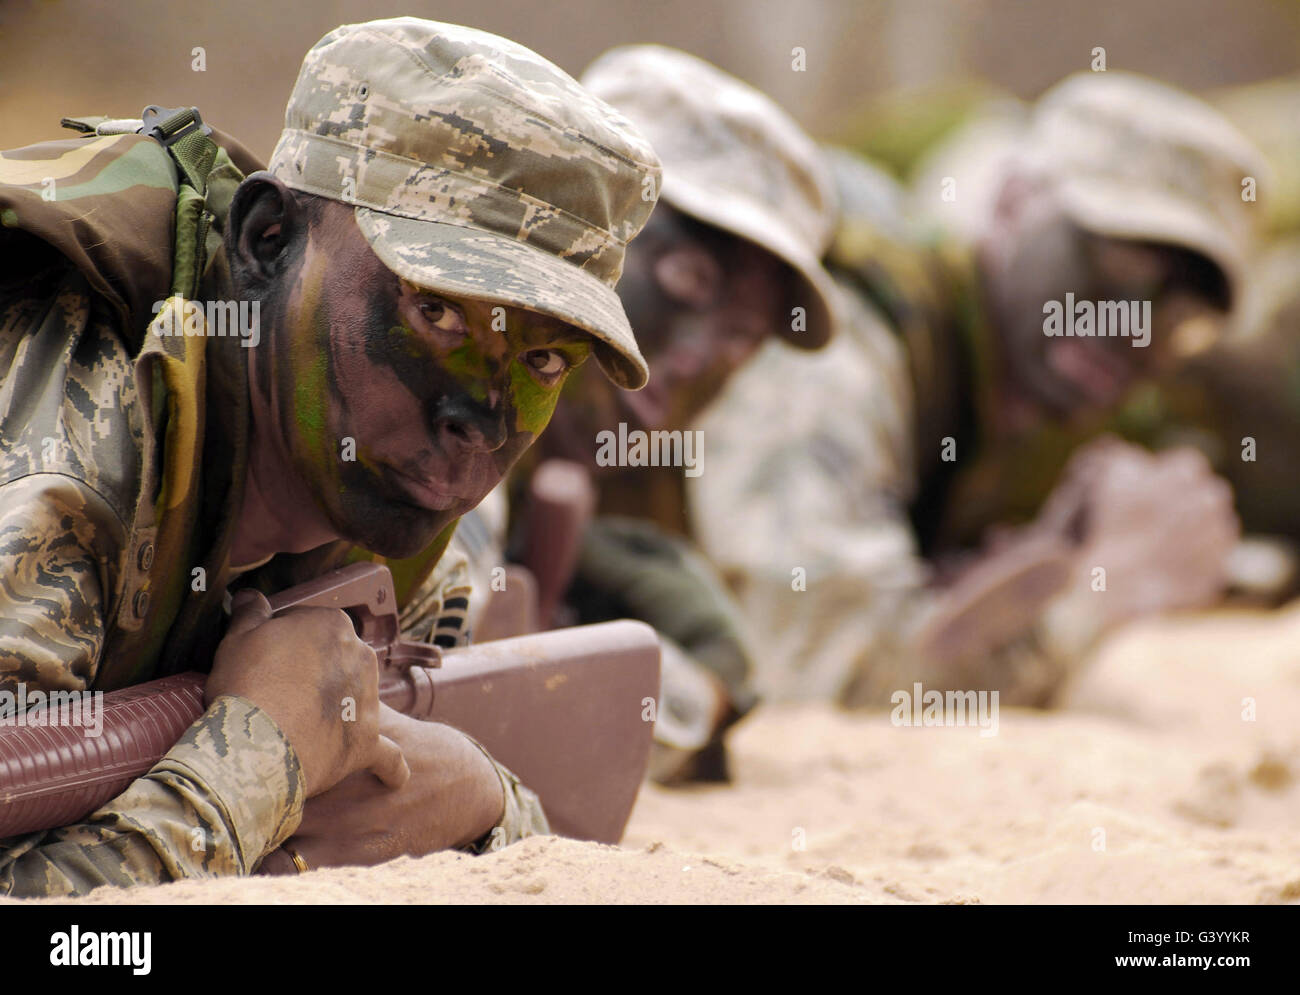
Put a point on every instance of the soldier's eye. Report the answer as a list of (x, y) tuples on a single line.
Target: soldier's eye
[(548, 364), (441, 316)]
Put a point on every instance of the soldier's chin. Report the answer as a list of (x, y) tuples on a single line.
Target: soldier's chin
[(1057, 397), (402, 529), (1097, 383)]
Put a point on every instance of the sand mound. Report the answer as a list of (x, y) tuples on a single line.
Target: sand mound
[(1173, 775)]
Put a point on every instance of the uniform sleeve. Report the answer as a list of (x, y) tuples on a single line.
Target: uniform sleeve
[(228, 792), (438, 610), (802, 507), (631, 568)]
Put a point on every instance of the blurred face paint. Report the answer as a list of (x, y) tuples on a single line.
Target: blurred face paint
[(1040, 261), (701, 302)]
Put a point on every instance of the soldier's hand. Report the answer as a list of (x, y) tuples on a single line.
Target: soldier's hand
[(995, 598), (1160, 525), (454, 797), (308, 670)]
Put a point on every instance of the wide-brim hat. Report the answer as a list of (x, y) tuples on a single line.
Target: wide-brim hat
[(735, 160), (1132, 158)]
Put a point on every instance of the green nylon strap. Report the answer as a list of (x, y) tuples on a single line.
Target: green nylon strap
[(196, 155), (85, 125)]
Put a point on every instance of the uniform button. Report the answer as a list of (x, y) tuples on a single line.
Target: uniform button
[(141, 604), (146, 556)]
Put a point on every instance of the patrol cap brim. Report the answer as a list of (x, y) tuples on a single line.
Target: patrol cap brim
[(1114, 209), (741, 216), (481, 265)]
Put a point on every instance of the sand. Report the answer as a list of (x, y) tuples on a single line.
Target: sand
[(1148, 786)]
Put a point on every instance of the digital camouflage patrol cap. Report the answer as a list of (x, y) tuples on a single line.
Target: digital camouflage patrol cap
[(1136, 159), (478, 169), (732, 159)]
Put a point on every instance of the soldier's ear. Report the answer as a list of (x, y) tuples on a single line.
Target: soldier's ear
[(264, 221)]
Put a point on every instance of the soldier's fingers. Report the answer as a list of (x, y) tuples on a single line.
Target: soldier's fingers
[(390, 764), (1104, 445), (278, 862), (390, 720), (1207, 502), (1184, 462), (248, 610)]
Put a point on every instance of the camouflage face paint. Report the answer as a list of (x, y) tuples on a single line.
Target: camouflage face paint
[(403, 408), (534, 403)]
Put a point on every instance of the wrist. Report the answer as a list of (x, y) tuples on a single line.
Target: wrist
[(488, 790)]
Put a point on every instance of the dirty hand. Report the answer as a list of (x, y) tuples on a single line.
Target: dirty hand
[(319, 683)]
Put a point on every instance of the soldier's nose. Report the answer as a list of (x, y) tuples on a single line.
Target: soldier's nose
[(461, 436)]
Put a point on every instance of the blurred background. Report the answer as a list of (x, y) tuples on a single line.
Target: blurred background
[(886, 76)]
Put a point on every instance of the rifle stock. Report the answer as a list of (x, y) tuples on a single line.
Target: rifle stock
[(563, 710)]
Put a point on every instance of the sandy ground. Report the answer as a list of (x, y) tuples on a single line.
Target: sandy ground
[(1150, 786)]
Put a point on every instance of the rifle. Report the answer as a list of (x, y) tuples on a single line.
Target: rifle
[(562, 709)]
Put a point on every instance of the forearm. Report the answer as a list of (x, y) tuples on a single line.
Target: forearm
[(471, 799), (861, 627), (1023, 635), (632, 569), (226, 794)]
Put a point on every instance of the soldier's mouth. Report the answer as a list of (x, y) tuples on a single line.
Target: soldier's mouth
[(1101, 376), (426, 492)]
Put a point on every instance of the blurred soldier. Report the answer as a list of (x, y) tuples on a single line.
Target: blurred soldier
[(1239, 403), (1124, 191), (729, 259), (432, 250)]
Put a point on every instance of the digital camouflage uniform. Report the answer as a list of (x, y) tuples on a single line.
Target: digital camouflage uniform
[(124, 443), (825, 524)]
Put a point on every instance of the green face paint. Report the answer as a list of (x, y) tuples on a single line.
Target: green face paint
[(534, 402), (470, 368), (309, 401), (311, 385), (407, 342)]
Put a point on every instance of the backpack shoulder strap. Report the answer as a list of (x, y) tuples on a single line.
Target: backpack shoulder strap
[(189, 142)]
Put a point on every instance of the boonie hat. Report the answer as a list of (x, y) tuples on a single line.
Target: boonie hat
[(732, 159)]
